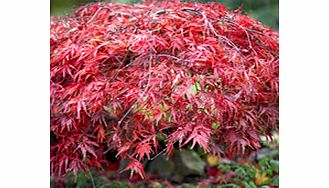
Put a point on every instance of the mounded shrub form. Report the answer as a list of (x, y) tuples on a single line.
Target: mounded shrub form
[(140, 80)]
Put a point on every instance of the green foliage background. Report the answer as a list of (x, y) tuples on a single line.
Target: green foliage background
[(266, 11)]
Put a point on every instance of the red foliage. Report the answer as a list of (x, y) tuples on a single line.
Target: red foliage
[(194, 74)]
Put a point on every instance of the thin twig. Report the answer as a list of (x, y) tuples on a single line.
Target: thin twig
[(146, 88), (248, 37), (213, 30), (92, 18), (121, 63), (163, 11), (91, 177), (120, 14), (157, 155), (248, 29), (171, 56)]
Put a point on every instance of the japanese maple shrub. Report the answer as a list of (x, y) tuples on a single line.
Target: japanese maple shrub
[(124, 75)]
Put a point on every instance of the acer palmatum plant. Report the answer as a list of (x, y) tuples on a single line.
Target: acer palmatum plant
[(124, 75)]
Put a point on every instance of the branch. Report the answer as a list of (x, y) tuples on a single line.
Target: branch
[(212, 29), (92, 18)]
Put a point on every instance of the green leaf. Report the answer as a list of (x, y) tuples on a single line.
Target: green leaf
[(215, 125), (276, 180), (196, 88), (250, 184)]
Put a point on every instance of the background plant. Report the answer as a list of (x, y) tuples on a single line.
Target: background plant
[(266, 11)]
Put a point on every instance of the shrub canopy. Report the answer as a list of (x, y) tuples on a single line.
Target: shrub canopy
[(145, 78)]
